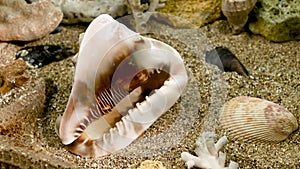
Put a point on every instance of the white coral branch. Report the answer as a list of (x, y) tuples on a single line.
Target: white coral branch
[(142, 12), (137, 6), (207, 152)]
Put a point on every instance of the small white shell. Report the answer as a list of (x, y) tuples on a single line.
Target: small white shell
[(236, 12), (253, 119)]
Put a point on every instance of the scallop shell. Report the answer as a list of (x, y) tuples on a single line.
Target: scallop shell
[(123, 83), (253, 119), (236, 12)]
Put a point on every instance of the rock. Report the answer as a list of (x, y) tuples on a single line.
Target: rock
[(181, 13), (23, 152), (150, 164), (41, 55), (76, 11), (192, 13), (19, 111), (277, 20), (12, 75), (22, 105), (20, 21)]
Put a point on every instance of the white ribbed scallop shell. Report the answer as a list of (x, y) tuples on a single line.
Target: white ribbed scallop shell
[(253, 119)]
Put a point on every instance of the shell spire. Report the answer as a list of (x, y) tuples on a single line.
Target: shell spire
[(236, 12)]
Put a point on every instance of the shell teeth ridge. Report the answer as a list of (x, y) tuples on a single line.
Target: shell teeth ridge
[(78, 130), (125, 127), (76, 135), (121, 127), (121, 135), (82, 126)]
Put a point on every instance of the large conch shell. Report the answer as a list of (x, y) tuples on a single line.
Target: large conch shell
[(253, 119), (123, 82)]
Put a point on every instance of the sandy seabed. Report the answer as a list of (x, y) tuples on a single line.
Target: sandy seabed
[(275, 76)]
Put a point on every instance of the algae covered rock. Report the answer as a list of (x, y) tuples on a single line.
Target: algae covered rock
[(277, 20)]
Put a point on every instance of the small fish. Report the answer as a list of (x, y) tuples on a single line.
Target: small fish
[(39, 56), (225, 60)]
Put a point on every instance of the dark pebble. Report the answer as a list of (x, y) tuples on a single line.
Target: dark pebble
[(39, 56), (225, 60)]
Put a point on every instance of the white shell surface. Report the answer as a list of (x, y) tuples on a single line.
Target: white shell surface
[(104, 112), (88, 58), (253, 119), (236, 12), (235, 6)]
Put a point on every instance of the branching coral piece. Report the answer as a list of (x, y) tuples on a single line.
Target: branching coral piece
[(142, 12), (207, 152)]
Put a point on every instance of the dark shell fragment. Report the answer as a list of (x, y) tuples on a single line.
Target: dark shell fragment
[(39, 56), (225, 60), (57, 30)]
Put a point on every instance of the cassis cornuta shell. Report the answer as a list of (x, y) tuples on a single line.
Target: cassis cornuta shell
[(236, 12), (123, 82), (253, 119)]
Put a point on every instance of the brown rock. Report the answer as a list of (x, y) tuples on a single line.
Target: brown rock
[(20, 111), (12, 75), (22, 105), (20, 21), (191, 13)]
